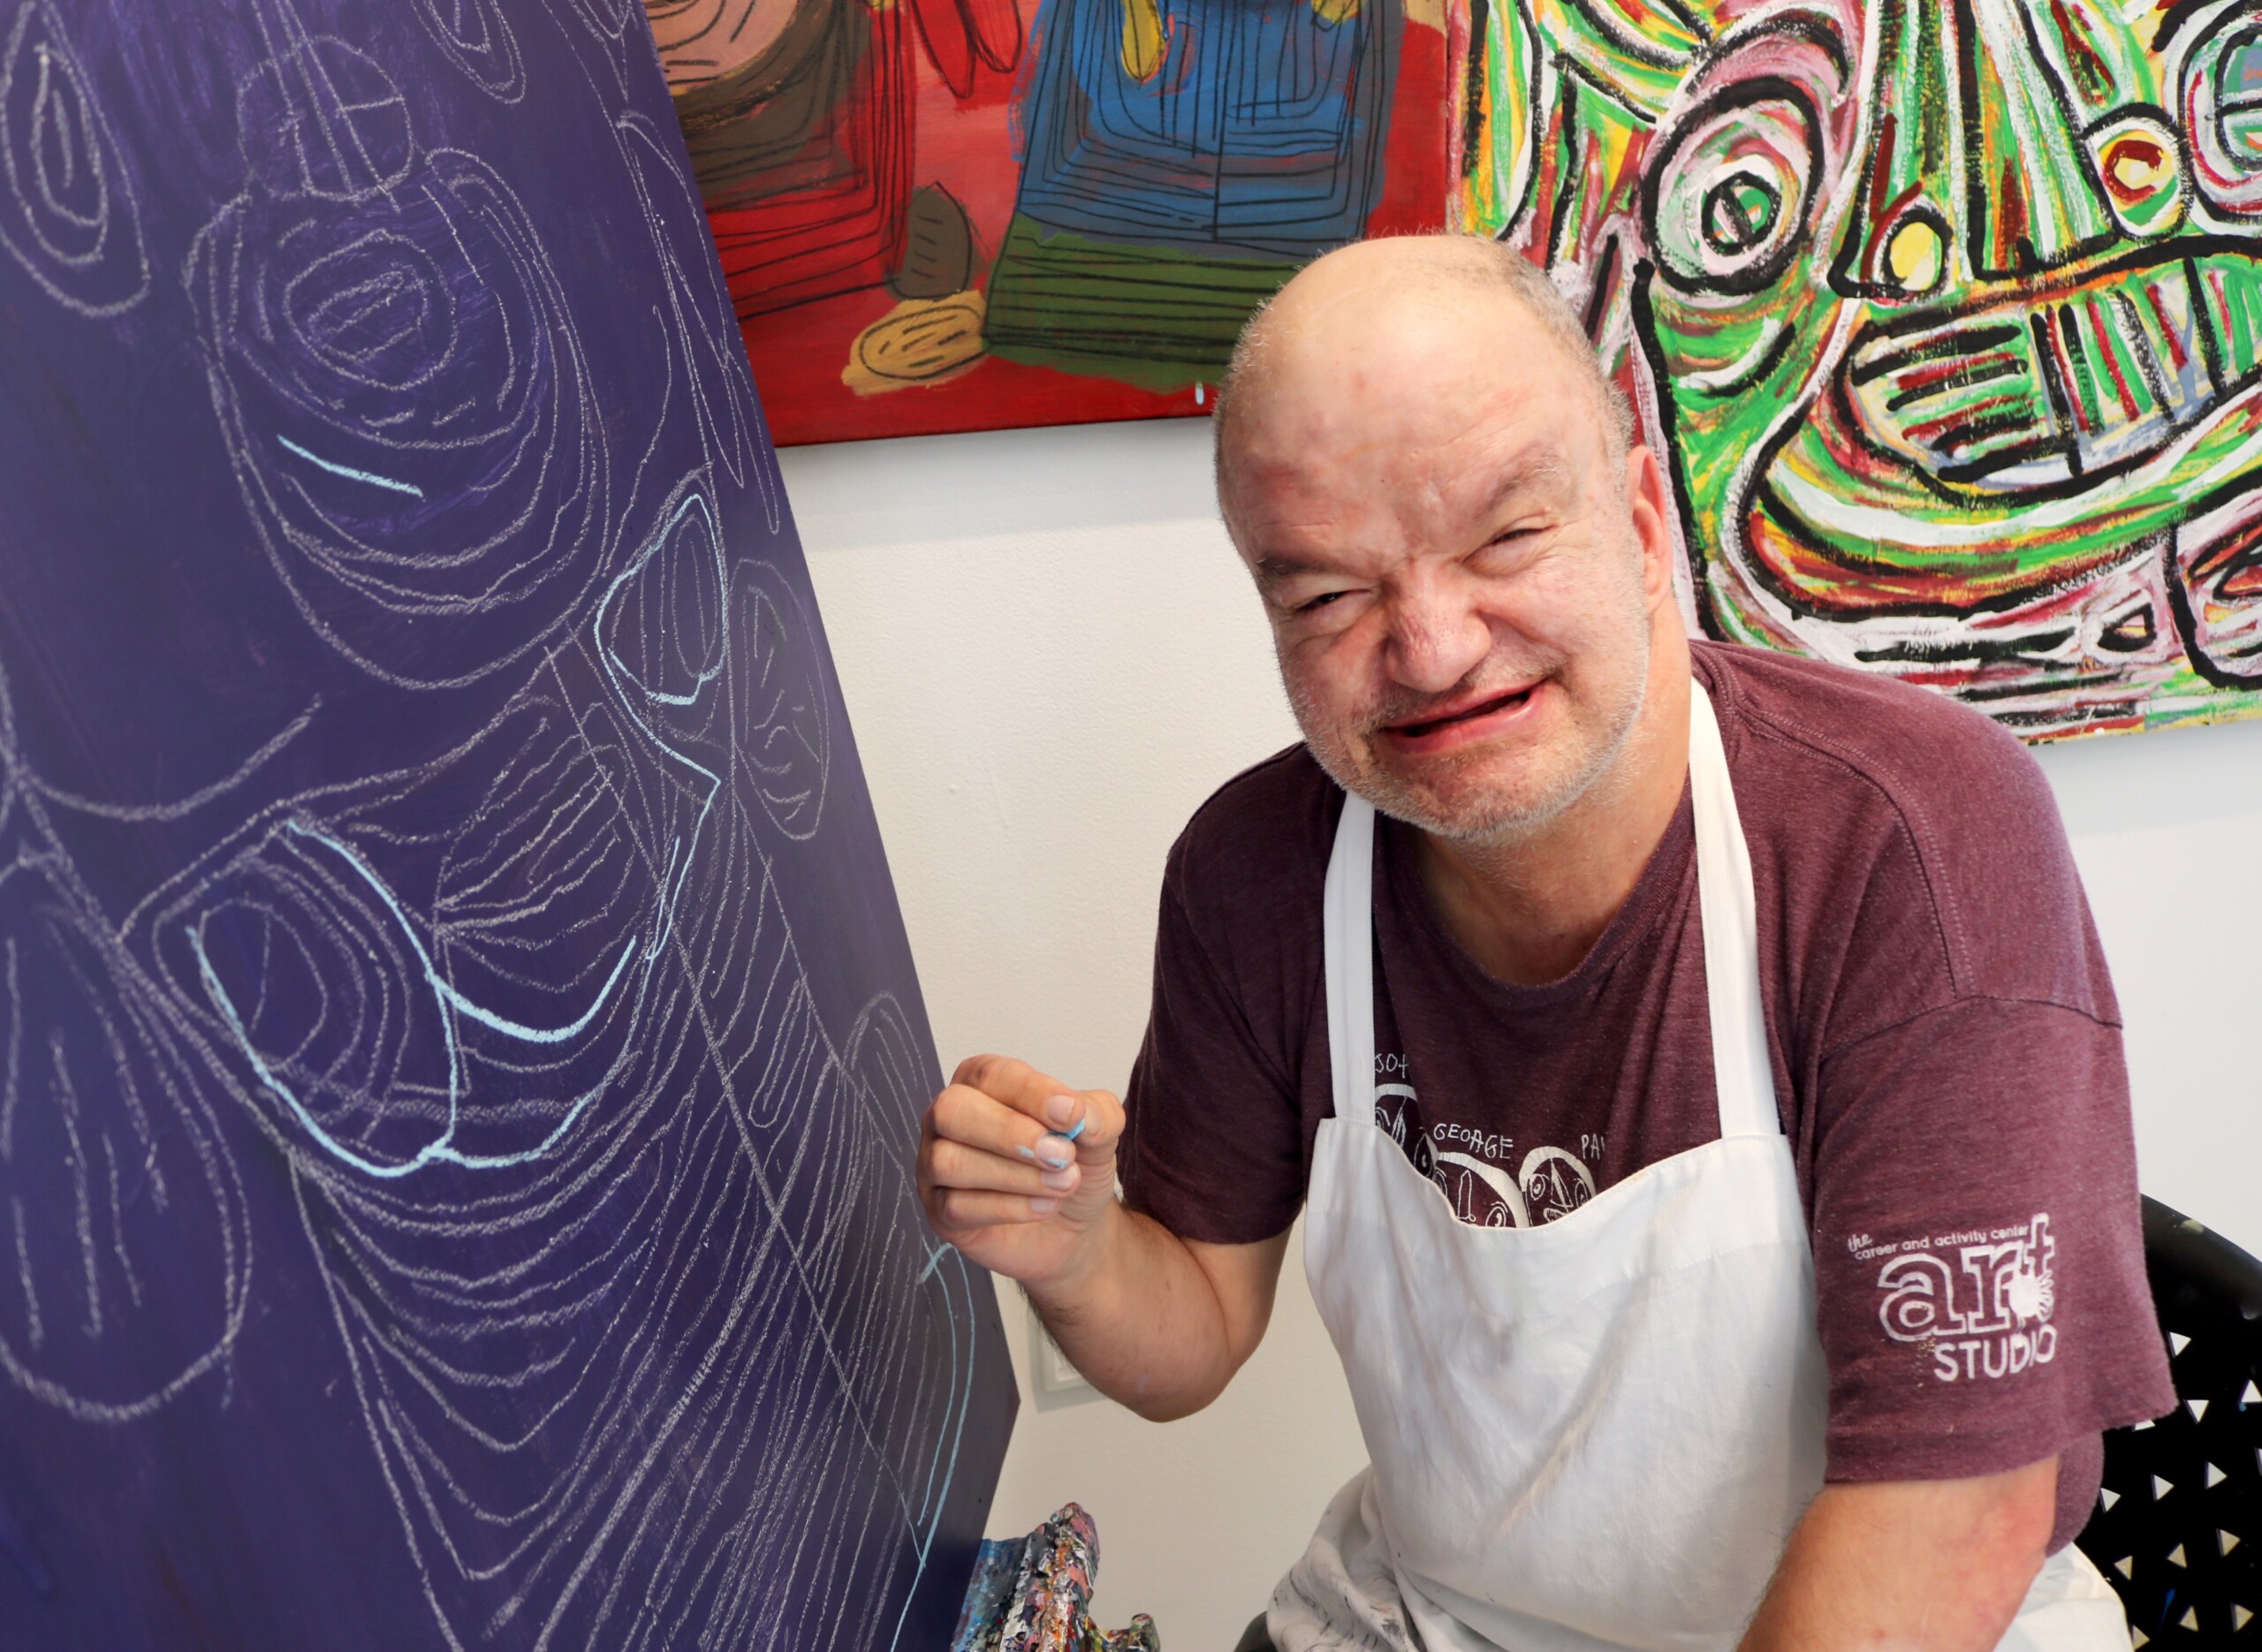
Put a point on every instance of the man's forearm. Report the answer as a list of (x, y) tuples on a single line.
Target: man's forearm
[(1143, 1317), (1936, 1566)]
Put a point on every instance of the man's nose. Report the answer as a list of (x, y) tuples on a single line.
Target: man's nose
[(1437, 638)]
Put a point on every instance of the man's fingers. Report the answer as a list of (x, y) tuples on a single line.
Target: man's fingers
[(961, 1211), (1090, 1120), (975, 1118), (951, 1166), (1018, 1085)]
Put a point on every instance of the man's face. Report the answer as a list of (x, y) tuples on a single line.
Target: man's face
[(1460, 601)]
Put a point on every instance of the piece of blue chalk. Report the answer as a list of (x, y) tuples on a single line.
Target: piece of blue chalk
[(1070, 1135)]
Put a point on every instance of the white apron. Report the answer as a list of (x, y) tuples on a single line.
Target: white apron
[(1594, 1433)]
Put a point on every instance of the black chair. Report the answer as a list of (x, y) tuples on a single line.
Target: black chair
[(2179, 1522)]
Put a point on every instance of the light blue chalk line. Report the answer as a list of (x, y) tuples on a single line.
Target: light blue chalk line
[(486, 1017), (694, 500), (336, 469), (624, 681), (446, 988), (442, 1150)]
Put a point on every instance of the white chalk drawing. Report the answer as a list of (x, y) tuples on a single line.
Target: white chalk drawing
[(607, 1217), (617, 31), (476, 37), (69, 215), (381, 327), (709, 333), (126, 1239)]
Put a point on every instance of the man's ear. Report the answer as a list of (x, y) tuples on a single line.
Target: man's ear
[(1651, 507)]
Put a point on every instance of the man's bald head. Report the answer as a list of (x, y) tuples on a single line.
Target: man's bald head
[(1500, 300), (1467, 566)]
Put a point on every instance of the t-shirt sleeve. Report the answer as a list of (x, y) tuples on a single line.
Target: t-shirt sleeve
[(1213, 1140), (1977, 1237), (1977, 1248)]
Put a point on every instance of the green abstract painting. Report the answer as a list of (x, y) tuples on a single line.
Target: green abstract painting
[(1946, 314)]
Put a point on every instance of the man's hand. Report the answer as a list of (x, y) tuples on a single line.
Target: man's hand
[(1002, 1179), (1930, 1565), (1157, 1323)]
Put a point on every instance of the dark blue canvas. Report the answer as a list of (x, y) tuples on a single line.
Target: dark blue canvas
[(459, 1057)]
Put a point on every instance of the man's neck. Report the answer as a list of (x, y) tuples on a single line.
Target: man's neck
[(1529, 910)]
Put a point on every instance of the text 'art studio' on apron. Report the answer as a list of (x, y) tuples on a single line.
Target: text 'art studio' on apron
[(1597, 1433)]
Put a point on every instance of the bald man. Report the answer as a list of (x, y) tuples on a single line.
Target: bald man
[(1694, 1066)]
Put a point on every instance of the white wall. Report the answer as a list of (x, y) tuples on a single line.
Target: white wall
[(1051, 656), (2168, 829)]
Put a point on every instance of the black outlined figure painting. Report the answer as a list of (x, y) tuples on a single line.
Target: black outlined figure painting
[(1946, 315), (459, 1051), (973, 215)]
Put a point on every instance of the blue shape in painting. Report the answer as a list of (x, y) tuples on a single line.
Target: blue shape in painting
[(458, 1053), (1255, 125)]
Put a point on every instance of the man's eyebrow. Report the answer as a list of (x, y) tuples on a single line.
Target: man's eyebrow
[(1543, 466), (1273, 568)]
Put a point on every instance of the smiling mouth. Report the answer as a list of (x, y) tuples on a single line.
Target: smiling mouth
[(1483, 707), (2069, 385)]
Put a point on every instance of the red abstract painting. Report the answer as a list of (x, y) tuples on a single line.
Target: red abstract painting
[(964, 214)]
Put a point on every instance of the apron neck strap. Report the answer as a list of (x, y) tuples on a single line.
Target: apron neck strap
[(1348, 923), (1742, 1074)]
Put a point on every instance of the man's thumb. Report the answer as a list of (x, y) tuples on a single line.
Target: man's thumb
[(1093, 1119)]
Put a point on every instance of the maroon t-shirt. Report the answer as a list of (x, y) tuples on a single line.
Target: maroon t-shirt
[(1945, 1045)]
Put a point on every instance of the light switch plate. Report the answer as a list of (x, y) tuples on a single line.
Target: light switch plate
[(1048, 1368)]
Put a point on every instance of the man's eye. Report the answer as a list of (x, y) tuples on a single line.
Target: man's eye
[(1505, 551), (1315, 603)]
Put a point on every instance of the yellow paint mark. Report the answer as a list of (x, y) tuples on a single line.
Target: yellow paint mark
[(2142, 19), (1912, 257), (1333, 12), (1428, 13), (921, 341), (1145, 44)]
